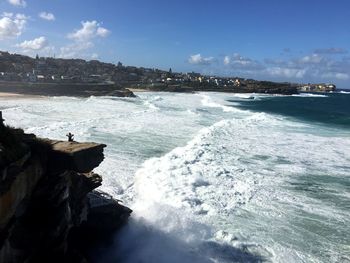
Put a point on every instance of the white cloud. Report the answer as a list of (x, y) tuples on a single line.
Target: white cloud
[(94, 56), (286, 72), (102, 32), (312, 59), (47, 16), (336, 75), (21, 3), (312, 67), (83, 39), (199, 60), (88, 31), (35, 44), (342, 76), (330, 65), (330, 51), (242, 63), (11, 25), (75, 49), (227, 60)]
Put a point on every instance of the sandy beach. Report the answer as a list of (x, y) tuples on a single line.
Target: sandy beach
[(139, 90), (8, 95)]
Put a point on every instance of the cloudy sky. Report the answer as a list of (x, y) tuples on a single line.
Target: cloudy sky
[(282, 40)]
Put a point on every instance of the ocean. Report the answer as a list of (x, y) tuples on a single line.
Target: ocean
[(214, 177)]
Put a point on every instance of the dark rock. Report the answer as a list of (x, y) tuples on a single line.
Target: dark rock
[(105, 212), (80, 157), (122, 93), (105, 217), (46, 202)]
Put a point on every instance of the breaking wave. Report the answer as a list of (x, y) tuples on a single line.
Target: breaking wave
[(209, 182)]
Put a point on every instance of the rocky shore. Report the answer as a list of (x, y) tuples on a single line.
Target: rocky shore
[(264, 87), (49, 210)]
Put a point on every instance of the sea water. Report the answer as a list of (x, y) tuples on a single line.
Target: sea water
[(214, 177)]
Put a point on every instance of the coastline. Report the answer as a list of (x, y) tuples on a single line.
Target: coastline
[(12, 89), (67, 89), (10, 95), (139, 90)]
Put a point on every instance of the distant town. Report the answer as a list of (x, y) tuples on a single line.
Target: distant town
[(54, 72)]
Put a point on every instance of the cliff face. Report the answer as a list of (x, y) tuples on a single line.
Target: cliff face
[(47, 199)]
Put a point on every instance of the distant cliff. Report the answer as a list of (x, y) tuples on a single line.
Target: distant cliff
[(49, 210), (266, 87)]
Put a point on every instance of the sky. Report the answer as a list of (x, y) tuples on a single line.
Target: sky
[(298, 41)]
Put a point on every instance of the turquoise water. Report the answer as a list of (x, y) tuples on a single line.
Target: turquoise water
[(215, 177), (329, 109)]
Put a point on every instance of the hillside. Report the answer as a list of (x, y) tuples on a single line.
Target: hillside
[(17, 72)]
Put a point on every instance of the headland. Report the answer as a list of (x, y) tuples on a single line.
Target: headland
[(49, 208), (48, 76)]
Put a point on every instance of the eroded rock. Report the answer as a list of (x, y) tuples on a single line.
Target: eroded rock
[(79, 157), (45, 202)]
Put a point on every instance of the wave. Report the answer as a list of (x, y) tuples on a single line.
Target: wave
[(229, 194), (309, 95), (245, 95), (192, 177), (234, 167), (179, 194), (185, 165), (344, 92), (207, 101), (150, 105)]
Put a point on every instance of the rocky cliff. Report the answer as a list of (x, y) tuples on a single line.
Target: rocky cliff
[(49, 209)]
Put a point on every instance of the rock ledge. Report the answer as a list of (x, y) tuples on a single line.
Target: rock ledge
[(48, 206)]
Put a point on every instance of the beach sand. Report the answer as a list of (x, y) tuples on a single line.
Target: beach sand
[(8, 95), (139, 90)]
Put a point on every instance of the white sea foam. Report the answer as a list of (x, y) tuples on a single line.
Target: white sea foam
[(251, 96), (151, 105), (208, 177), (208, 102), (245, 95), (309, 95), (208, 182)]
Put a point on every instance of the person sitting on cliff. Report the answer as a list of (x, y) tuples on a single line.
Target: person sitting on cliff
[(70, 137)]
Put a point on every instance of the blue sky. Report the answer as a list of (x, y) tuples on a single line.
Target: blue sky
[(296, 41)]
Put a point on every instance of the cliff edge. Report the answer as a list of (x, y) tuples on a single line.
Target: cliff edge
[(48, 205)]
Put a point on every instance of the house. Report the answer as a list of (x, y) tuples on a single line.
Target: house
[(237, 83), (40, 78)]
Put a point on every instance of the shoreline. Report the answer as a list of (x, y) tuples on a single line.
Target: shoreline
[(126, 90), (139, 90), (12, 95), (69, 89)]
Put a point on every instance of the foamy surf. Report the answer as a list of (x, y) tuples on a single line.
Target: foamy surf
[(309, 95), (192, 180), (209, 182)]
